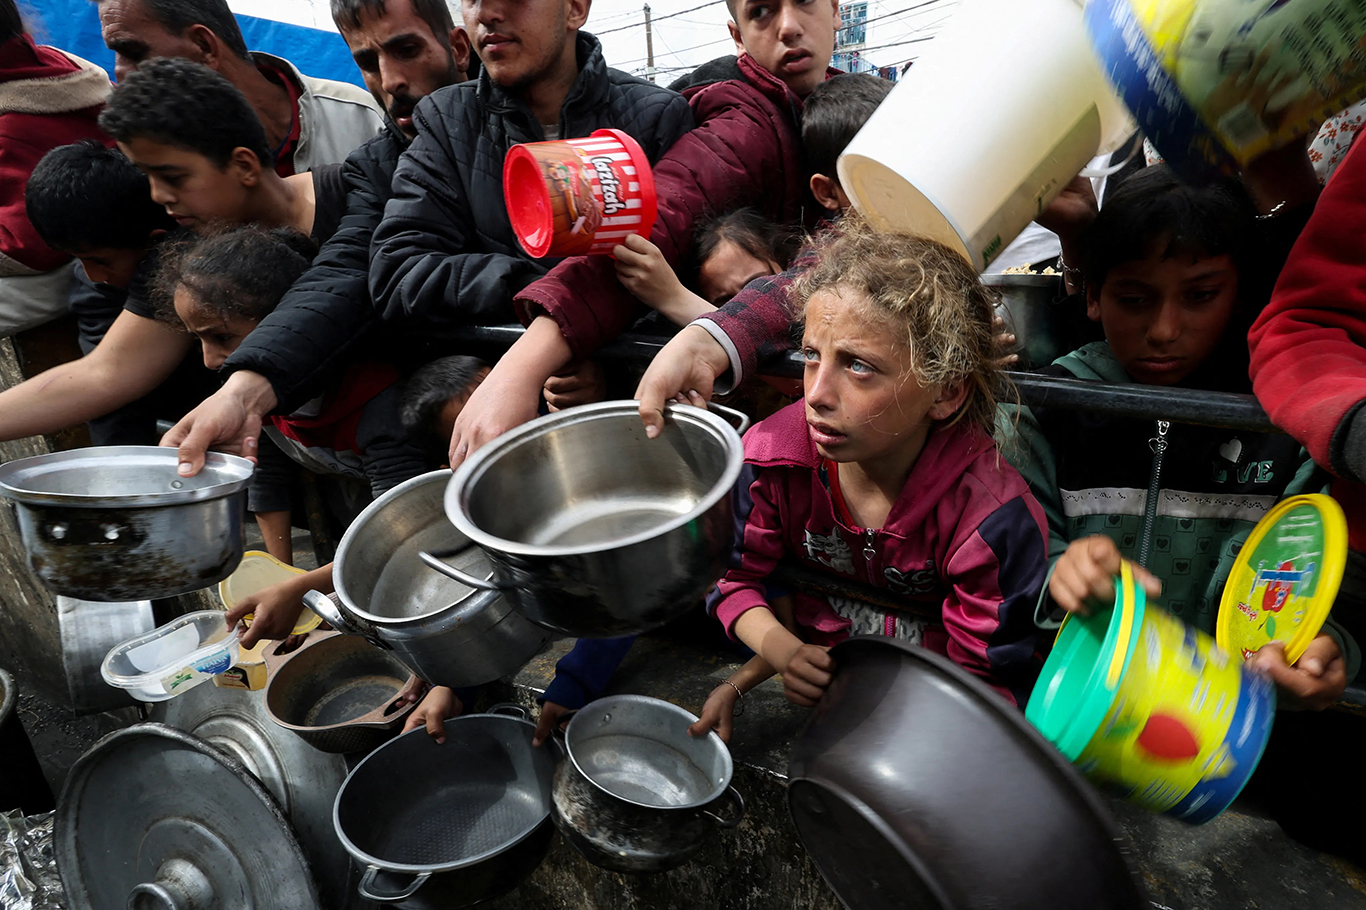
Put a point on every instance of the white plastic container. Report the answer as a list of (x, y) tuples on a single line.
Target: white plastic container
[(173, 658), (1006, 106)]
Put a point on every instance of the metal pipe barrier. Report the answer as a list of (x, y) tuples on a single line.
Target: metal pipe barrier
[(1144, 402)]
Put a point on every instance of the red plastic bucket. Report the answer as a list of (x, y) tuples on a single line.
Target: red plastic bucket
[(578, 196)]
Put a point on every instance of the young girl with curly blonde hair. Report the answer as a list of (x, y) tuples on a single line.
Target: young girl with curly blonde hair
[(886, 473)]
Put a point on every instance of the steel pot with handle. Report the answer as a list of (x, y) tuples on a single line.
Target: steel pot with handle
[(593, 529), (913, 779), (117, 523), (438, 826), (635, 792), (448, 633)]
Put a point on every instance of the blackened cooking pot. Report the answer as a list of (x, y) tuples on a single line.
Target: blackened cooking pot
[(118, 523), (914, 785)]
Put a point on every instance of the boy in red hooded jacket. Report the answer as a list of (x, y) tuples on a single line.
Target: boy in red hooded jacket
[(745, 150)]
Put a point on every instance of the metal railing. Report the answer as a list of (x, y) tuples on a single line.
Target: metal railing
[(1144, 402)]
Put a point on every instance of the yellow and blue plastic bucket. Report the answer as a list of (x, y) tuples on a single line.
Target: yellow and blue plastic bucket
[(1152, 708)]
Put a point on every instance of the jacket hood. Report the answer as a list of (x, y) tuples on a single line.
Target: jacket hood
[(744, 69), (949, 453), (590, 88), (44, 80)]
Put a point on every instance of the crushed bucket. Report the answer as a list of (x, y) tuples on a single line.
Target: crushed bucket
[(578, 196), (1152, 708), (1003, 109)]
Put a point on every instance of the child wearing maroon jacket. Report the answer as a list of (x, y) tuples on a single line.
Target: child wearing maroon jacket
[(745, 150), (886, 473)]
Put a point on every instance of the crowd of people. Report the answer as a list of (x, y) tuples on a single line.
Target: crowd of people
[(286, 267)]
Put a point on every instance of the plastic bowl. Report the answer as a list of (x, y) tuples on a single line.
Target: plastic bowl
[(173, 658)]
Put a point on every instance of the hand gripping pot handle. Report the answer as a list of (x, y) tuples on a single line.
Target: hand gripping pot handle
[(367, 887), (437, 561), (738, 801), (337, 616)]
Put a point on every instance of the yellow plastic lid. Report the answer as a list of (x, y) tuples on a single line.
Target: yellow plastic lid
[(1285, 579), (255, 573)]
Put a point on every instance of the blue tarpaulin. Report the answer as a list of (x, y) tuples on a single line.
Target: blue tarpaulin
[(74, 26)]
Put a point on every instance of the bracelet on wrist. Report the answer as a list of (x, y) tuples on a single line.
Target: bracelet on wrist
[(740, 705)]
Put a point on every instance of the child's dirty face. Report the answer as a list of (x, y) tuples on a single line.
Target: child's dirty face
[(1163, 317), (728, 269), (218, 333), (194, 190), (792, 39), (863, 402)]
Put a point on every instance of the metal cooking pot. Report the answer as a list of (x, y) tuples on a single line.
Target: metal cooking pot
[(440, 826), (593, 529), (635, 792), (446, 632), (914, 785), (338, 693), (117, 523), (1044, 328)]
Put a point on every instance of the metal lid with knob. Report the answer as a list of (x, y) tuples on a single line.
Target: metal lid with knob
[(153, 818)]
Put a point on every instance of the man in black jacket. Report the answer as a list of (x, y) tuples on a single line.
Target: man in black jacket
[(444, 253), (406, 49)]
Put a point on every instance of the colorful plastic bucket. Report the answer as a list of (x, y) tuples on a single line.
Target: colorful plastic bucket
[(1152, 708), (578, 196), (1215, 83), (1285, 579)]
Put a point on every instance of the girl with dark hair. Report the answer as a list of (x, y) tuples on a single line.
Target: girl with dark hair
[(219, 287), (730, 250)]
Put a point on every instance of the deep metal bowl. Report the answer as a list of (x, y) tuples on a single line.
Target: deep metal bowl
[(339, 694), (595, 530), (913, 779), (117, 523), (439, 826), (636, 793)]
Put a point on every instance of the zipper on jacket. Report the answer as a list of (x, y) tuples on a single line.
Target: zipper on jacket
[(869, 551), (1159, 446)]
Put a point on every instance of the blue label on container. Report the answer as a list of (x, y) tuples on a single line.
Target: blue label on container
[(1234, 764), (214, 665), (1127, 58)]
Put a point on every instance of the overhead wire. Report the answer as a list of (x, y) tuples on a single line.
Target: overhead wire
[(654, 19)]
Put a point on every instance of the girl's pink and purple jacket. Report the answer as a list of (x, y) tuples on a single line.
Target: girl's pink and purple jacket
[(965, 535)]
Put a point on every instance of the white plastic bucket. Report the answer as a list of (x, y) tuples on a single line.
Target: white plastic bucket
[(1006, 106)]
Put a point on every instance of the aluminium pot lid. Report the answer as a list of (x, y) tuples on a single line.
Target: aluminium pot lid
[(153, 818), (111, 477)]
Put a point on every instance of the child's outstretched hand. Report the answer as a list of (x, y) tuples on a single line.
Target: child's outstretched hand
[(579, 383), (806, 674), (548, 721), (276, 610), (1316, 680), (643, 270), (440, 703), (1086, 575), (718, 713)]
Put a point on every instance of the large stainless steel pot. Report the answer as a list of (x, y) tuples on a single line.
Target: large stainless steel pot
[(444, 631), (914, 785), (635, 792), (593, 529), (117, 523), (437, 826)]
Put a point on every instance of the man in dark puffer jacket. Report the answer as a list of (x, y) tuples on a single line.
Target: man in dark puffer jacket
[(445, 253), (406, 49)]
